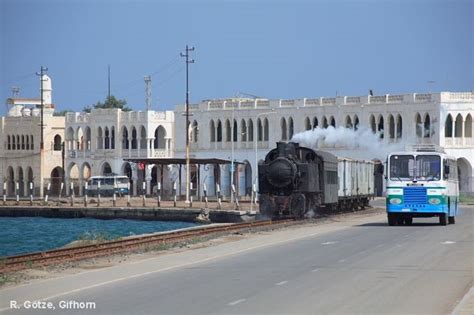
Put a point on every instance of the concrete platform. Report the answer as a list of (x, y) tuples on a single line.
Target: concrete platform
[(134, 213)]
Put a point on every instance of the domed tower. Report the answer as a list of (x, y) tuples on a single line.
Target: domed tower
[(47, 90)]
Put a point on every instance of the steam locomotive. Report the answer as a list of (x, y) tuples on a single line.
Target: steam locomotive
[(296, 181)]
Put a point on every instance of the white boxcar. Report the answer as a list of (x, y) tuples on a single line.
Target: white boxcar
[(356, 182)]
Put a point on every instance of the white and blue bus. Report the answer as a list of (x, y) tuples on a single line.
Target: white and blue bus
[(421, 183), (107, 185)]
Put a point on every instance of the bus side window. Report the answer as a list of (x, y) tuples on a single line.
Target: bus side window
[(445, 169)]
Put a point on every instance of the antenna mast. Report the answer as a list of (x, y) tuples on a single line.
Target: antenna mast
[(148, 92)]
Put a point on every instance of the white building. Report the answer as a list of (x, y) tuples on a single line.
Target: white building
[(245, 129), (98, 142), (21, 160)]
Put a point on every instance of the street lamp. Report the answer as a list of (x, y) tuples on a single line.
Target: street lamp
[(255, 139)]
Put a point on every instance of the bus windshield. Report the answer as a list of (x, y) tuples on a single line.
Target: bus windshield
[(409, 167), (402, 167), (428, 167)]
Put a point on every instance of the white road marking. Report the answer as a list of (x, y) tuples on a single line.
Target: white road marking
[(329, 243), (282, 283), (341, 260), (314, 270), (236, 302), (448, 242)]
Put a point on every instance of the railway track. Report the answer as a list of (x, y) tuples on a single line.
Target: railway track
[(40, 259)]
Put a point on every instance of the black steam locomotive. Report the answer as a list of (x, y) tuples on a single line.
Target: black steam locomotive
[(297, 181)]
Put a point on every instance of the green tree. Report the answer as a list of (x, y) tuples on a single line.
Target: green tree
[(110, 102), (62, 112)]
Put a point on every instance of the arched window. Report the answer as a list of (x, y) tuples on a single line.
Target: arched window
[(27, 142), (112, 138), (265, 129), (159, 141), (143, 138), (18, 142), (227, 131), (57, 143), (356, 122), (468, 126), (243, 125), (380, 127), (458, 127), (219, 131), (325, 122), (259, 130), (212, 131), (284, 135), (107, 138), (333, 122), (13, 143), (31, 142), (448, 126), (291, 128), (195, 131), (125, 138), (349, 122), (134, 138), (22, 142), (373, 125), (307, 124), (235, 131), (250, 130), (315, 122), (427, 127), (391, 127), (99, 138), (9, 143), (399, 126), (418, 125)]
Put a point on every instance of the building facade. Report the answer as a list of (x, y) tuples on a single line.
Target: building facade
[(246, 129), (21, 159), (98, 142)]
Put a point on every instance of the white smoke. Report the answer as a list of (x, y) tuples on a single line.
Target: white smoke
[(361, 143)]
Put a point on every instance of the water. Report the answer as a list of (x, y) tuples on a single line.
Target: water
[(32, 234)]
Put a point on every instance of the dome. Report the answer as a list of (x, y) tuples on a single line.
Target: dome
[(15, 111)]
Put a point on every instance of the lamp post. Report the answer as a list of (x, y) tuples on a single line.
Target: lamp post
[(255, 139)]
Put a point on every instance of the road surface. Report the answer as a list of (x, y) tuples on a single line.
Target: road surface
[(357, 265)]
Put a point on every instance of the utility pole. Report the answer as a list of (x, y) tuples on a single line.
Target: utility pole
[(186, 55), (41, 74)]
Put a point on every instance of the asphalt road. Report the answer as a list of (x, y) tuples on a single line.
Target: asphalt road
[(357, 266)]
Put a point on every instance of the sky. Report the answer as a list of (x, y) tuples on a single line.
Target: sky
[(272, 49)]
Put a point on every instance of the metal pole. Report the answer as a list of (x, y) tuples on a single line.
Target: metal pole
[(188, 49)]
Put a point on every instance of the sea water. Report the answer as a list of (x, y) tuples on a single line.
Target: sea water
[(22, 235)]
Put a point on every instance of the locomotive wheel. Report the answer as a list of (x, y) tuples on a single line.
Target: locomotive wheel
[(298, 206), (392, 219)]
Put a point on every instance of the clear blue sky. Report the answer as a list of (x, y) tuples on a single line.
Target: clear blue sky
[(273, 49)]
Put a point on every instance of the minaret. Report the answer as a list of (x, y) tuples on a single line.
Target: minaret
[(47, 91)]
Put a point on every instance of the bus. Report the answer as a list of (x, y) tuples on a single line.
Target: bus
[(107, 185), (421, 183)]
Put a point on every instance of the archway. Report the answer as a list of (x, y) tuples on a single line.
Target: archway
[(466, 180), (106, 169), (21, 182), (10, 181), (248, 178), (56, 179)]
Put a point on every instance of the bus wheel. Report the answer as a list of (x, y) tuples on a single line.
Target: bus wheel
[(442, 219), (400, 220), (408, 221), (451, 220), (392, 219)]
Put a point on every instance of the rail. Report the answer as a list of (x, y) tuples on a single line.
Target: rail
[(40, 259)]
